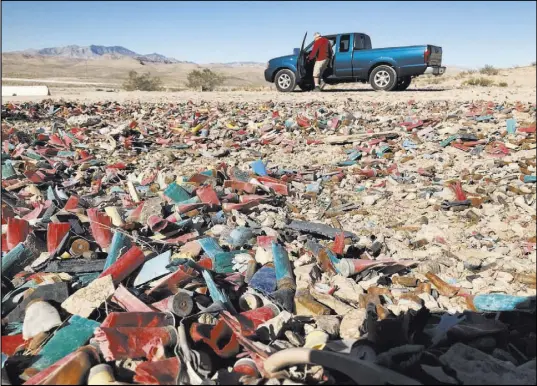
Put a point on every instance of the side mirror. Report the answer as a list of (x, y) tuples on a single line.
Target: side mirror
[(296, 51)]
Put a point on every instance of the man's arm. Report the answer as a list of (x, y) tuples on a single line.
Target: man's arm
[(314, 50)]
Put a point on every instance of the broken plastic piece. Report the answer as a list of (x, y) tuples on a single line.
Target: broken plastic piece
[(125, 265), (134, 342), (154, 268), (64, 341), (55, 234), (164, 372), (100, 227), (17, 231)]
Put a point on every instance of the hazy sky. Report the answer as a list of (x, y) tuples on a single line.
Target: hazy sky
[(471, 33)]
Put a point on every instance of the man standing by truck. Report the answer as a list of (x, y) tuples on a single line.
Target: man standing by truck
[(321, 53)]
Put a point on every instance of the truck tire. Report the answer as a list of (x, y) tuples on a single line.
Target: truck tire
[(403, 83), (383, 78), (285, 80)]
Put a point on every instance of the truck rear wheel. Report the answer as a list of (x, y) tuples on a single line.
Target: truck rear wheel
[(403, 83), (383, 78), (285, 80)]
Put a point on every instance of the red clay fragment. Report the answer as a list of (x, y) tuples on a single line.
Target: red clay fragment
[(125, 265), (222, 339), (34, 214), (240, 186), (10, 343), (169, 285), (100, 227), (228, 206), (134, 342), (184, 208), (70, 370), (36, 177), (130, 303), (219, 337), (265, 242), (17, 231), (55, 234), (457, 189), (183, 238), (251, 197), (137, 319), (207, 195), (163, 372), (277, 187), (71, 203), (156, 223), (339, 244)]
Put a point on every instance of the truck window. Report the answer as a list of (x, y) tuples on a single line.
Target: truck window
[(362, 42), (344, 43), (358, 42)]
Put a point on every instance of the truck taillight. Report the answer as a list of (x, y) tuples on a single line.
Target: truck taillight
[(426, 55)]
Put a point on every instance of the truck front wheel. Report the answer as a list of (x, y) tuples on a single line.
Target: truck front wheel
[(383, 78), (403, 83), (285, 81)]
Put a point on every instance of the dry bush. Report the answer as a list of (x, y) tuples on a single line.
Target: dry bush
[(489, 70), (503, 84), (143, 82), (482, 82), (207, 80)]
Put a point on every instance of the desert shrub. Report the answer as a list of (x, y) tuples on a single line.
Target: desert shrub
[(533, 64), (489, 70), (143, 82), (207, 80), (503, 84), (482, 82)]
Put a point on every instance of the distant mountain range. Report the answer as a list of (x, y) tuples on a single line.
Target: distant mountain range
[(114, 52)]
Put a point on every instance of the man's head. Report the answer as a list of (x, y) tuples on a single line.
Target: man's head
[(316, 35)]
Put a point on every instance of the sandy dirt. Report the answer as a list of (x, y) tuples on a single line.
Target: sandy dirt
[(359, 93)]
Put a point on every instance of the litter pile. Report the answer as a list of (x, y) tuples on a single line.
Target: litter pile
[(268, 243)]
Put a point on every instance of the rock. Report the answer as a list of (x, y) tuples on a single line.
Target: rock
[(472, 263), (83, 120), (438, 373), (369, 200), (351, 324), (329, 324), (474, 367), (504, 276)]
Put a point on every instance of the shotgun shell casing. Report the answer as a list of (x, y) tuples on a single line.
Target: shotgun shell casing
[(79, 247)]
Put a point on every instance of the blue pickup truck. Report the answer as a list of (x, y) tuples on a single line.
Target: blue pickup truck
[(354, 60)]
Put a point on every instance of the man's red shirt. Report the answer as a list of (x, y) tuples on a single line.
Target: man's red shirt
[(320, 49)]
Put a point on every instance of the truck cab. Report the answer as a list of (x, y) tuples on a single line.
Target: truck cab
[(355, 60)]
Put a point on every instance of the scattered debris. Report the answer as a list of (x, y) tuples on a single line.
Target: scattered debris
[(196, 244)]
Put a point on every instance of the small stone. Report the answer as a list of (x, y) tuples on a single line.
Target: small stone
[(329, 324), (474, 367), (504, 276), (369, 200), (472, 263), (351, 324)]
